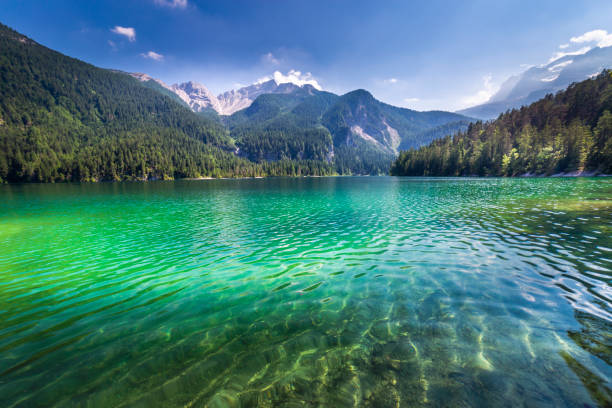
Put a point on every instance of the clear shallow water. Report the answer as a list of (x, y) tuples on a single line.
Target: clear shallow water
[(291, 292)]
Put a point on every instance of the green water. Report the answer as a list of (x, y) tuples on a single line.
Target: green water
[(334, 292)]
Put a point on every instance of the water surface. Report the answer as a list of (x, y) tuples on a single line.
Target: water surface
[(379, 292)]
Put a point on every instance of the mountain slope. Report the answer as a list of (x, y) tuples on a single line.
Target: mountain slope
[(235, 100), (536, 82), (356, 132), (157, 85), (269, 129), (358, 115), (200, 99), (196, 96), (269, 107), (63, 119), (568, 132)]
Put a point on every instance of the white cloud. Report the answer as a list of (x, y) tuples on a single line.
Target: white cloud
[(590, 39), (411, 100), (550, 79), (270, 59), (558, 67), (601, 37), (263, 79), (390, 81), (297, 78), (560, 54), (152, 55), (483, 95), (112, 45), (172, 3), (128, 32)]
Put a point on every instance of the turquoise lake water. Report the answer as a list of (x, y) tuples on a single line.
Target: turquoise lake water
[(364, 291)]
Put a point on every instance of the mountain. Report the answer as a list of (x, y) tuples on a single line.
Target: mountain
[(356, 132), (358, 116), (200, 99), (536, 82), (197, 96), (235, 100), (63, 119), (157, 85), (269, 106), (356, 122), (570, 132)]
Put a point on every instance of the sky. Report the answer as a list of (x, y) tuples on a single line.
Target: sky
[(422, 55)]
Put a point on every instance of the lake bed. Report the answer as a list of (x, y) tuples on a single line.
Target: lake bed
[(339, 291)]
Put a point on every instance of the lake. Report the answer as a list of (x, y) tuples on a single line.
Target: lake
[(345, 291)]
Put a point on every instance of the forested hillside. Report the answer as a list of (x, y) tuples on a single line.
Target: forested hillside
[(355, 132), (567, 132), (62, 119)]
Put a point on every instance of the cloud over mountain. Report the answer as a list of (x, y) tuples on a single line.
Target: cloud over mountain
[(601, 37), (297, 78), (593, 38)]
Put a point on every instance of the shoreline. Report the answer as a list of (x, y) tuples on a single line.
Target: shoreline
[(575, 174)]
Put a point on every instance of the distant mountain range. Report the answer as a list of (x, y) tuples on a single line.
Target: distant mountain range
[(354, 118), (357, 132), (516, 91), (200, 99), (536, 82), (63, 119), (569, 133)]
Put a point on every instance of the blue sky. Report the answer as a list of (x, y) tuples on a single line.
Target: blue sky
[(417, 54)]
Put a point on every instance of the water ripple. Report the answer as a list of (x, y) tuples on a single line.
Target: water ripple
[(331, 291)]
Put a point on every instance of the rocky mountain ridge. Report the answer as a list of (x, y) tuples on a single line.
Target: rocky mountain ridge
[(536, 82), (200, 99)]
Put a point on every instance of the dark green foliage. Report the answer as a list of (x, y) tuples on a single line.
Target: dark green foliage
[(284, 144), (570, 131), (425, 137), (62, 119), (157, 87), (361, 160), (65, 120), (311, 110), (374, 117), (300, 108), (315, 125)]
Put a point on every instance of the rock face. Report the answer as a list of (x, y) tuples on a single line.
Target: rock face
[(536, 82), (365, 119), (355, 120), (200, 99), (238, 99), (197, 96)]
